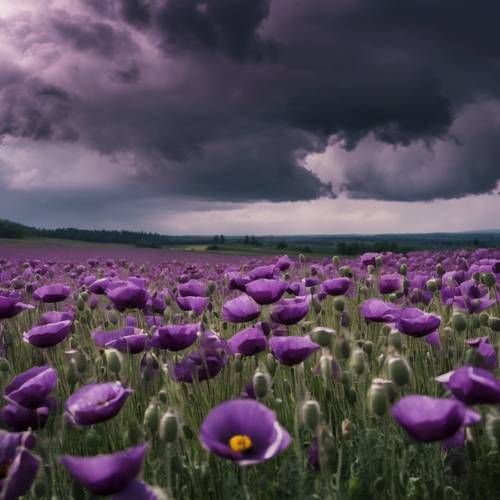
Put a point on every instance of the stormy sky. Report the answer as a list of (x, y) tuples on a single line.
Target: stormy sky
[(251, 116)]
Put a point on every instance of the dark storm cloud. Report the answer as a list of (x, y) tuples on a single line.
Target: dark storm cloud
[(224, 99)]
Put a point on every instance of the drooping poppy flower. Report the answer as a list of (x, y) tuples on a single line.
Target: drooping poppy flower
[(12, 306), (18, 465), (336, 286), (20, 418), (292, 350), (52, 293), (379, 311), (48, 335), (106, 474), (244, 431), (31, 388), (417, 323), (487, 353), (128, 339), (266, 291), (389, 283), (290, 311), (240, 310), (430, 419), (248, 342), (473, 385), (95, 403), (175, 337), (129, 296)]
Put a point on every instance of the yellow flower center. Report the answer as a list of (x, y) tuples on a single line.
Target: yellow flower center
[(240, 443)]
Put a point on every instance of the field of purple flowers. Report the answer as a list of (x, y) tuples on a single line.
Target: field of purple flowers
[(217, 377)]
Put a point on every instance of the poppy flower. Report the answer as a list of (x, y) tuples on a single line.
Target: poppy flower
[(292, 350), (389, 283), (290, 311), (430, 419), (31, 388), (260, 272), (128, 339), (95, 403), (473, 385), (175, 337), (487, 353), (55, 317), (379, 311), (52, 293), (237, 281), (336, 286), (106, 474), (21, 418), (12, 306), (417, 323), (266, 291), (244, 431), (248, 342), (48, 335), (284, 263), (195, 304), (198, 366), (129, 296), (193, 288), (240, 310)]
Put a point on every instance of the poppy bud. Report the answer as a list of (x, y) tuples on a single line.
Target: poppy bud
[(163, 396), (377, 399), (489, 279), (378, 261), (368, 347), (339, 304), (370, 268), (476, 277), (322, 336), (400, 371), (345, 319), (316, 305), (169, 427), (403, 269), (270, 363), (483, 318), (211, 287), (80, 303), (238, 363), (381, 360), (152, 418), (80, 360), (113, 317), (432, 285), (459, 322), (494, 323), (396, 341), (261, 383), (336, 260), (325, 367), (310, 414), (346, 272), (440, 269), (114, 360), (4, 365), (358, 361), (343, 347), (71, 373)]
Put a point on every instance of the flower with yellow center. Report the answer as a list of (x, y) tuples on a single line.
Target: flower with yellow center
[(240, 443)]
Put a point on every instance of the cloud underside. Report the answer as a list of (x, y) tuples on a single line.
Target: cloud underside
[(250, 100)]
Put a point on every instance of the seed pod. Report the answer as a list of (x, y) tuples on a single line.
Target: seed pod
[(396, 341), (475, 323), (483, 318), (346, 379), (322, 336), (343, 347), (310, 413), (71, 373), (432, 285), (459, 322), (345, 319), (346, 272), (336, 260), (368, 347), (400, 371), (339, 304), (378, 401), (494, 323), (325, 367), (80, 303), (403, 269), (489, 279), (270, 363), (261, 384), (169, 427), (4, 365), (152, 418), (358, 361), (114, 360), (163, 396), (238, 363)]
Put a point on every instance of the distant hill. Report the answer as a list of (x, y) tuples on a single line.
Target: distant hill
[(343, 244)]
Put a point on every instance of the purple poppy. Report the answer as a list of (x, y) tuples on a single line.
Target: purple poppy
[(48, 335), (248, 342), (95, 403), (292, 350), (31, 388), (244, 431), (197, 366), (106, 474), (20, 418), (260, 272), (473, 385), (284, 263), (193, 288), (240, 310), (195, 304), (473, 305), (336, 286), (368, 259), (129, 296), (175, 337), (389, 283), (417, 323), (266, 291), (237, 281), (313, 455), (99, 286), (431, 419), (290, 311), (18, 465), (52, 293), (137, 490), (129, 339), (487, 353), (379, 311), (12, 306), (55, 317), (311, 281)]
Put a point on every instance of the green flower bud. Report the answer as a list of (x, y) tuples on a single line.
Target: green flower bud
[(339, 304), (322, 336), (261, 384), (476, 277), (310, 413), (432, 285), (114, 360), (336, 260), (368, 347), (325, 367), (358, 361), (346, 272), (440, 269), (475, 323), (459, 322), (378, 400), (4, 365), (346, 379), (152, 418), (92, 439), (163, 396), (396, 341), (403, 269), (494, 323), (71, 373), (80, 303), (169, 427), (489, 279), (483, 318), (400, 371), (343, 347), (238, 363)]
